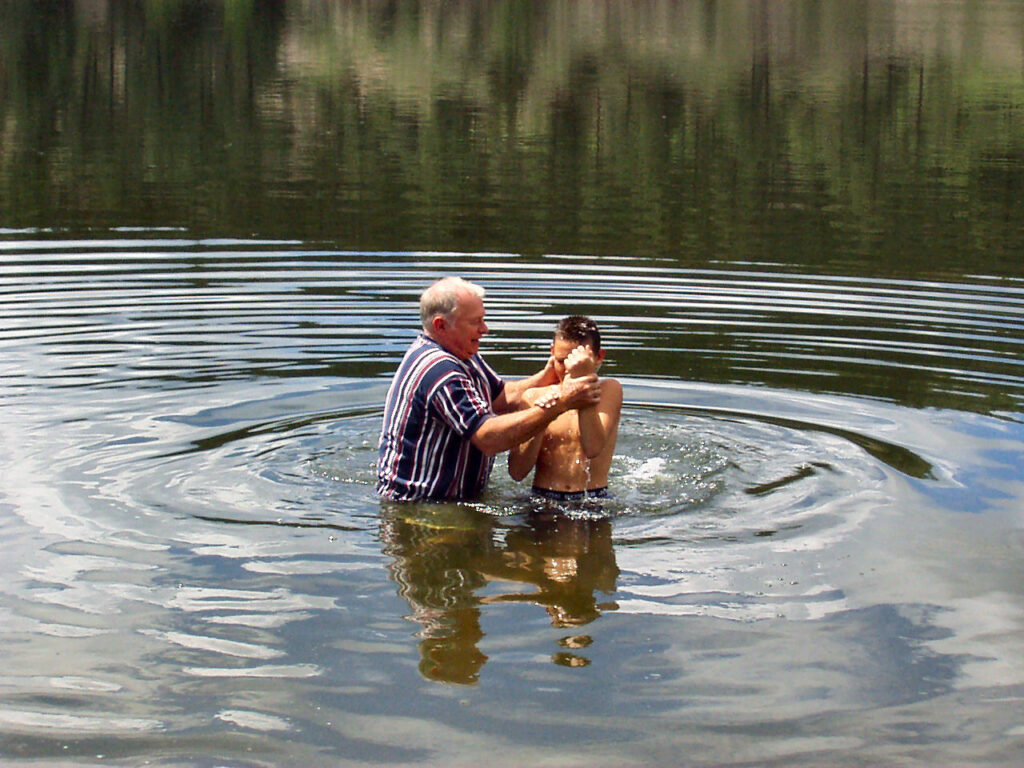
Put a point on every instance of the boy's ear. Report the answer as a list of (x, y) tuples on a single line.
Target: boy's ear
[(599, 358)]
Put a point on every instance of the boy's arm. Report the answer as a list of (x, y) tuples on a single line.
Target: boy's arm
[(598, 421), (522, 458)]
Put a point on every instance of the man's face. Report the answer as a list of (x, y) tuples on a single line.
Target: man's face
[(461, 334)]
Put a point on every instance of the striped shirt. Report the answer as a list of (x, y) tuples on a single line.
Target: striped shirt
[(435, 404)]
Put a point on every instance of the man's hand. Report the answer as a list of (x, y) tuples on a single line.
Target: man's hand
[(579, 391), (548, 374)]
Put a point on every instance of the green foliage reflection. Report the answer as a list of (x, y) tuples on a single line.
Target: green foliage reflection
[(847, 137)]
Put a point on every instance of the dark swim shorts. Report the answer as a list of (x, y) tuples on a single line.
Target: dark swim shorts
[(547, 493)]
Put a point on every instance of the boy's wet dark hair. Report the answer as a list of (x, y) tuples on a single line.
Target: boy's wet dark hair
[(581, 330)]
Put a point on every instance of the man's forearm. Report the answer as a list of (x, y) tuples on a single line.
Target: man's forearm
[(502, 432), (499, 433), (514, 390)]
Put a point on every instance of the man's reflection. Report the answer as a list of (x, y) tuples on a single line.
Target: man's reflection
[(444, 554)]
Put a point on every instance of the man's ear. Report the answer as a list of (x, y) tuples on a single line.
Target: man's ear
[(437, 323)]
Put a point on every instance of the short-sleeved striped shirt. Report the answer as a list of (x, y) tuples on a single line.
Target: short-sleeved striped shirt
[(435, 404)]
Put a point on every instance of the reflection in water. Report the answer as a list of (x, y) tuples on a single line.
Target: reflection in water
[(704, 131), (445, 558)]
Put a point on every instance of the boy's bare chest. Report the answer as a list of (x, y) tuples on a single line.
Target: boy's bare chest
[(568, 422), (563, 435)]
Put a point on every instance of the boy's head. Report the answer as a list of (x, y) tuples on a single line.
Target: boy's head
[(572, 332), (581, 330)]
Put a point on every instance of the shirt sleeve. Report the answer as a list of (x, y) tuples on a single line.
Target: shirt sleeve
[(494, 381), (459, 403)]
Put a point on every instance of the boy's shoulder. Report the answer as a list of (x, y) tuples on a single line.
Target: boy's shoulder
[(611, 385)]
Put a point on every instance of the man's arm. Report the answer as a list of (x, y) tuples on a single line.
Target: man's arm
[(511, 397), (503, 431)]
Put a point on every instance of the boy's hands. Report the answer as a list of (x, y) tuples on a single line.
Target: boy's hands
[(580, 362)]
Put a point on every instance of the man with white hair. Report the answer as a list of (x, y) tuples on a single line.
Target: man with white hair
[(448, 413)]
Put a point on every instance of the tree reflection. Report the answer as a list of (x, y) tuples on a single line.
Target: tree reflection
[(442, 567), (670, 129)]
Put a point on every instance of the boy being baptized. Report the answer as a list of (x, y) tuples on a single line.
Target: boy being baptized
[(573, 455)]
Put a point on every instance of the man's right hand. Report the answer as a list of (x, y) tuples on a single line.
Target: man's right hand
[(579, 392)]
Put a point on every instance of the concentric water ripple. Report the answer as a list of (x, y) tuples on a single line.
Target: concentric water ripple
[(189, 439), (123, 312)]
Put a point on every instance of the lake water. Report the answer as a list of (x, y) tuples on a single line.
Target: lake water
[(799, 226)]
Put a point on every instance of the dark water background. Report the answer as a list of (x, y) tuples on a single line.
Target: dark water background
[(799, 226)]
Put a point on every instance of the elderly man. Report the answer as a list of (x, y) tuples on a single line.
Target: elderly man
[(448, 413)]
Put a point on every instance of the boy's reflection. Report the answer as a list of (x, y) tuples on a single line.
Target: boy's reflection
[(444, 554)]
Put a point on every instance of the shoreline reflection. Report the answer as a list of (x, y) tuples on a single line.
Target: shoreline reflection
[(444, 558)]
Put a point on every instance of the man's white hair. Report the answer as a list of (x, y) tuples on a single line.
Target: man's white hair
[(442, 298)]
